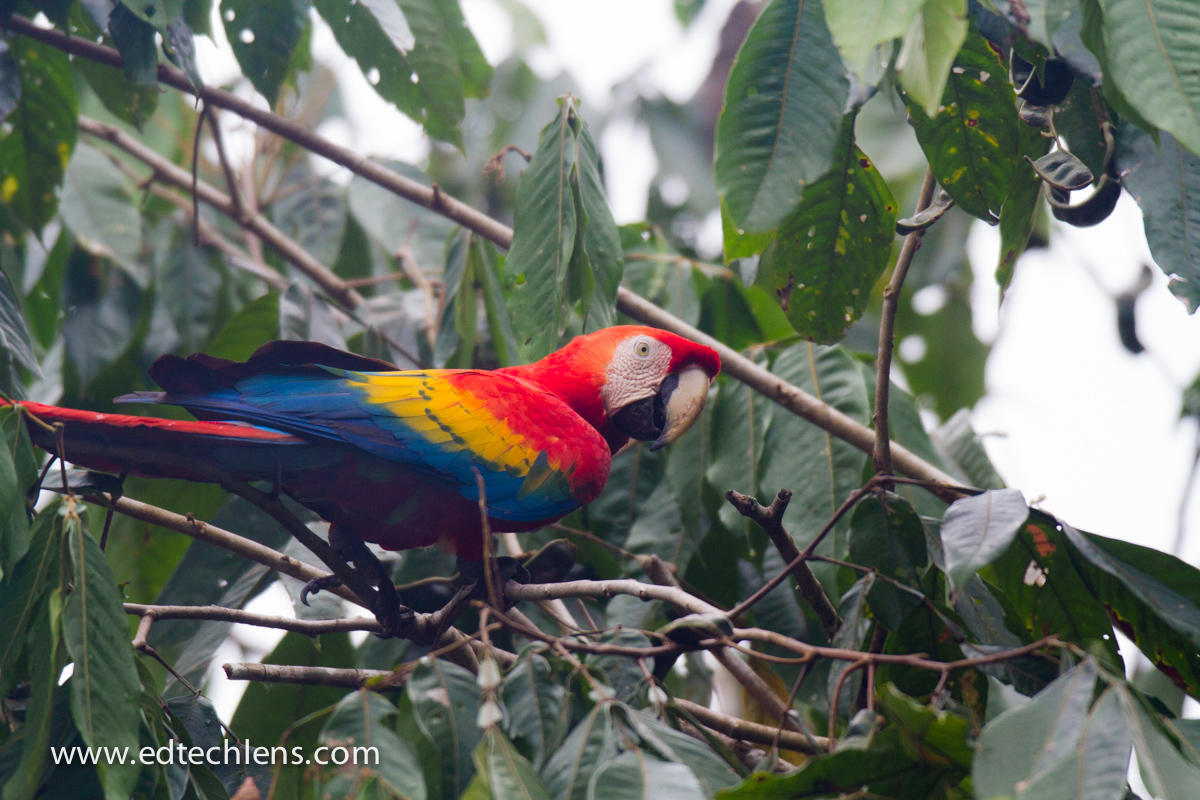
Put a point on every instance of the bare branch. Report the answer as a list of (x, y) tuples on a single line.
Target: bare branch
[(770, 519), (881, 453), (374, 679), (309, 627), (751, 731)]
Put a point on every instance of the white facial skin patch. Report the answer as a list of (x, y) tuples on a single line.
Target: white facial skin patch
[(638, 366)]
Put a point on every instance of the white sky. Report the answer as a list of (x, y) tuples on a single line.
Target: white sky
[(1070, 418)]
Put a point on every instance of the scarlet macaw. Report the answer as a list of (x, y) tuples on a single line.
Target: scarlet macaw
[(391, 456)]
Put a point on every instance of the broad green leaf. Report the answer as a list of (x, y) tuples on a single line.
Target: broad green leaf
[(504, 772), (446, 700), (1016, 223), (1152, 597), (47, 657), (361, 720), (10, 82), (487, 271), (783, 108), (739, 425), (190, 284), (253, 324), (401, 228), (537, 707), (37, 137), (821, 470), (590, 743), (880, 765), (418, 54), (1152, 50), (99, 206), (1044, 19), (22, 590), (104, 686), (1040, 582), (106, 321), (858, 27), (18, 473), (888, 536), (636, 775), (179, 45), (937, 737), (708, 768), (195, 721), (134, 38), (263, 35), (312, 211), (1165, 771), (1164, 178), (973, 140), (961, 448), (130, 94), (1022, 752), (830, 252), (977, 529), (157, 12), (305, 316), (566, 248), (930, 46), (738, 242)]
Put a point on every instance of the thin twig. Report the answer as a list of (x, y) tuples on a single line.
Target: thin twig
[(309, 627), (750, 731), (881, 453)]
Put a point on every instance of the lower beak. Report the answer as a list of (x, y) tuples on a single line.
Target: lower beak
[(664, 416)]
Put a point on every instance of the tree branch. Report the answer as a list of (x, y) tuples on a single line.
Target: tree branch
[(750, 731), (770, 519), (374, 679), (881, 453), (309, 627)]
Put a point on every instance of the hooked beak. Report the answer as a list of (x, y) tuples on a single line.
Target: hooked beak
[(663, 416)]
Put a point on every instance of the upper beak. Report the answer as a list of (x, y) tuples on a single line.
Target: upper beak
[(662, 417)]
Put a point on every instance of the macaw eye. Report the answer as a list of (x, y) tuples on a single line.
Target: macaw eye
[(642, 349)]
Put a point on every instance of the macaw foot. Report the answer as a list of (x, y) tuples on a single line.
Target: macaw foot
[(317, 584)]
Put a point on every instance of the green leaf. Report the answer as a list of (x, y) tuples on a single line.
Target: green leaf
[(10, 82), (537, 707), (1017, 217), (778, 129), (129, 97), (180, 46), (1151, 596), (446, 701), (1034, 749), (566, 248), (40, 133), (858, 27), (888, 536), (104, 686), (1165, 771), (961, 447), (936, 737), (504, 772), (487, 271), (973, 140), (830, 252), (879, 764), (1152, 55), (635, 774), (360, 719), (254, 323), (47, 655), (418, 54), (930, 46), (263, 34), (977, 529), (18, 473), (157, 12), (22, 590), (134, 38), (99, 206), (1164, 178), (1039, 581), (820, 469), (592, 742)]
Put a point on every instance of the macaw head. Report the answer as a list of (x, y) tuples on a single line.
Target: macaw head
[(631, 382)]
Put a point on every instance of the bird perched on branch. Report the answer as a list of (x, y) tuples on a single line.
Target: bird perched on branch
[(398, 457)]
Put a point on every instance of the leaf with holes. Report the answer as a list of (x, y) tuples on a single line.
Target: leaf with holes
[(264, 35), (779, 126), (833, 248)]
